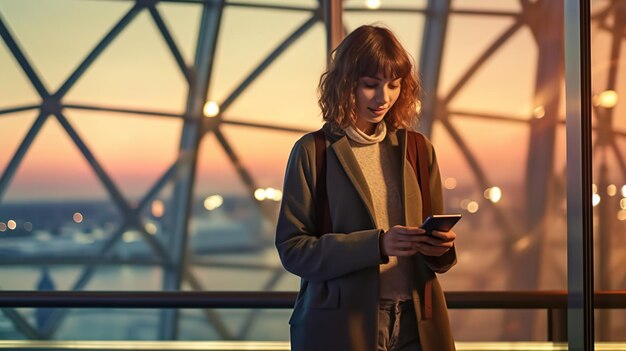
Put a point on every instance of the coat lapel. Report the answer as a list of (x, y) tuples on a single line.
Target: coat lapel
[(351, 167)]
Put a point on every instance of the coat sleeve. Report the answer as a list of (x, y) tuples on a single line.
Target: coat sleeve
[(302, 252), (442, 263)]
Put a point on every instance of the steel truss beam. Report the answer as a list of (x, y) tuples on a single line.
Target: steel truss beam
[(53, 105), (185, 171), (430, 61), (579, 176)]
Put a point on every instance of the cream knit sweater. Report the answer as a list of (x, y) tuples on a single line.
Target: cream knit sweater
[(380, 164)]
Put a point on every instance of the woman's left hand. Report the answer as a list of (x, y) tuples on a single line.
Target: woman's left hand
[(437, 244)]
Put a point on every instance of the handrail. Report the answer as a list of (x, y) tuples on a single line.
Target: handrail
[(554, 299)]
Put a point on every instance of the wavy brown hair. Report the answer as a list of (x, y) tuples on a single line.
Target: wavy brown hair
[(368, 51)]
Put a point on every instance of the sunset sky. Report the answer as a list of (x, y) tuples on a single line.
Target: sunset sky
[(137, 72)]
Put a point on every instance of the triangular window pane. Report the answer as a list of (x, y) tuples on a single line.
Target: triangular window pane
[(13, 129), (134, 150), (266, 164), (137, 71), (225, 218), (15, 88), (509, 92), (54, 170), (58, 35), (183, 22), (276, 98)]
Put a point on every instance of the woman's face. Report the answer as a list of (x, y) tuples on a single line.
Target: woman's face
[(374, 97)]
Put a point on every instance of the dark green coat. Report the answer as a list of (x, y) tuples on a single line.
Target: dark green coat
[(337, 306)]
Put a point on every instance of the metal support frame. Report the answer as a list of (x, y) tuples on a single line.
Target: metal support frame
[(579, 209), (333, 10), (186, 170), (557, 325), (431, 56), (193, 131), (21, 324), (52, 105)]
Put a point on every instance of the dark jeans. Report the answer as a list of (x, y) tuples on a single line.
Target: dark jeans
[(397, 326)]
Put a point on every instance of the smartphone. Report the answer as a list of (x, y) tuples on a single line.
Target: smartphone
[(442, 223)]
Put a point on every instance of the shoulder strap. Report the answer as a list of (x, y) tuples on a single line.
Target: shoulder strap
[(417, 155), (322, 209)]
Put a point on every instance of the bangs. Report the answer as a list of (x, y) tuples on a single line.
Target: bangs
[(385, 60)]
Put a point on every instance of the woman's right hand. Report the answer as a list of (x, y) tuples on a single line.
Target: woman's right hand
[(402, 241)]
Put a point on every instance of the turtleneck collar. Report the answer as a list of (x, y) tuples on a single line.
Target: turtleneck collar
[(355, 134)]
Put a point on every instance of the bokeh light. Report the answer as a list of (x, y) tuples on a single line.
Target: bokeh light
[(493, 194), (77, 217), (213, 202), (372, 4), (262, 194), (157, 208), (595, 200), (606, 99), (150, 228), (472, 207), (450, 183), (611, 190), (211, 109)]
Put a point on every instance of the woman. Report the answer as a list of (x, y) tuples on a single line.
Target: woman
[(368, 278)]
